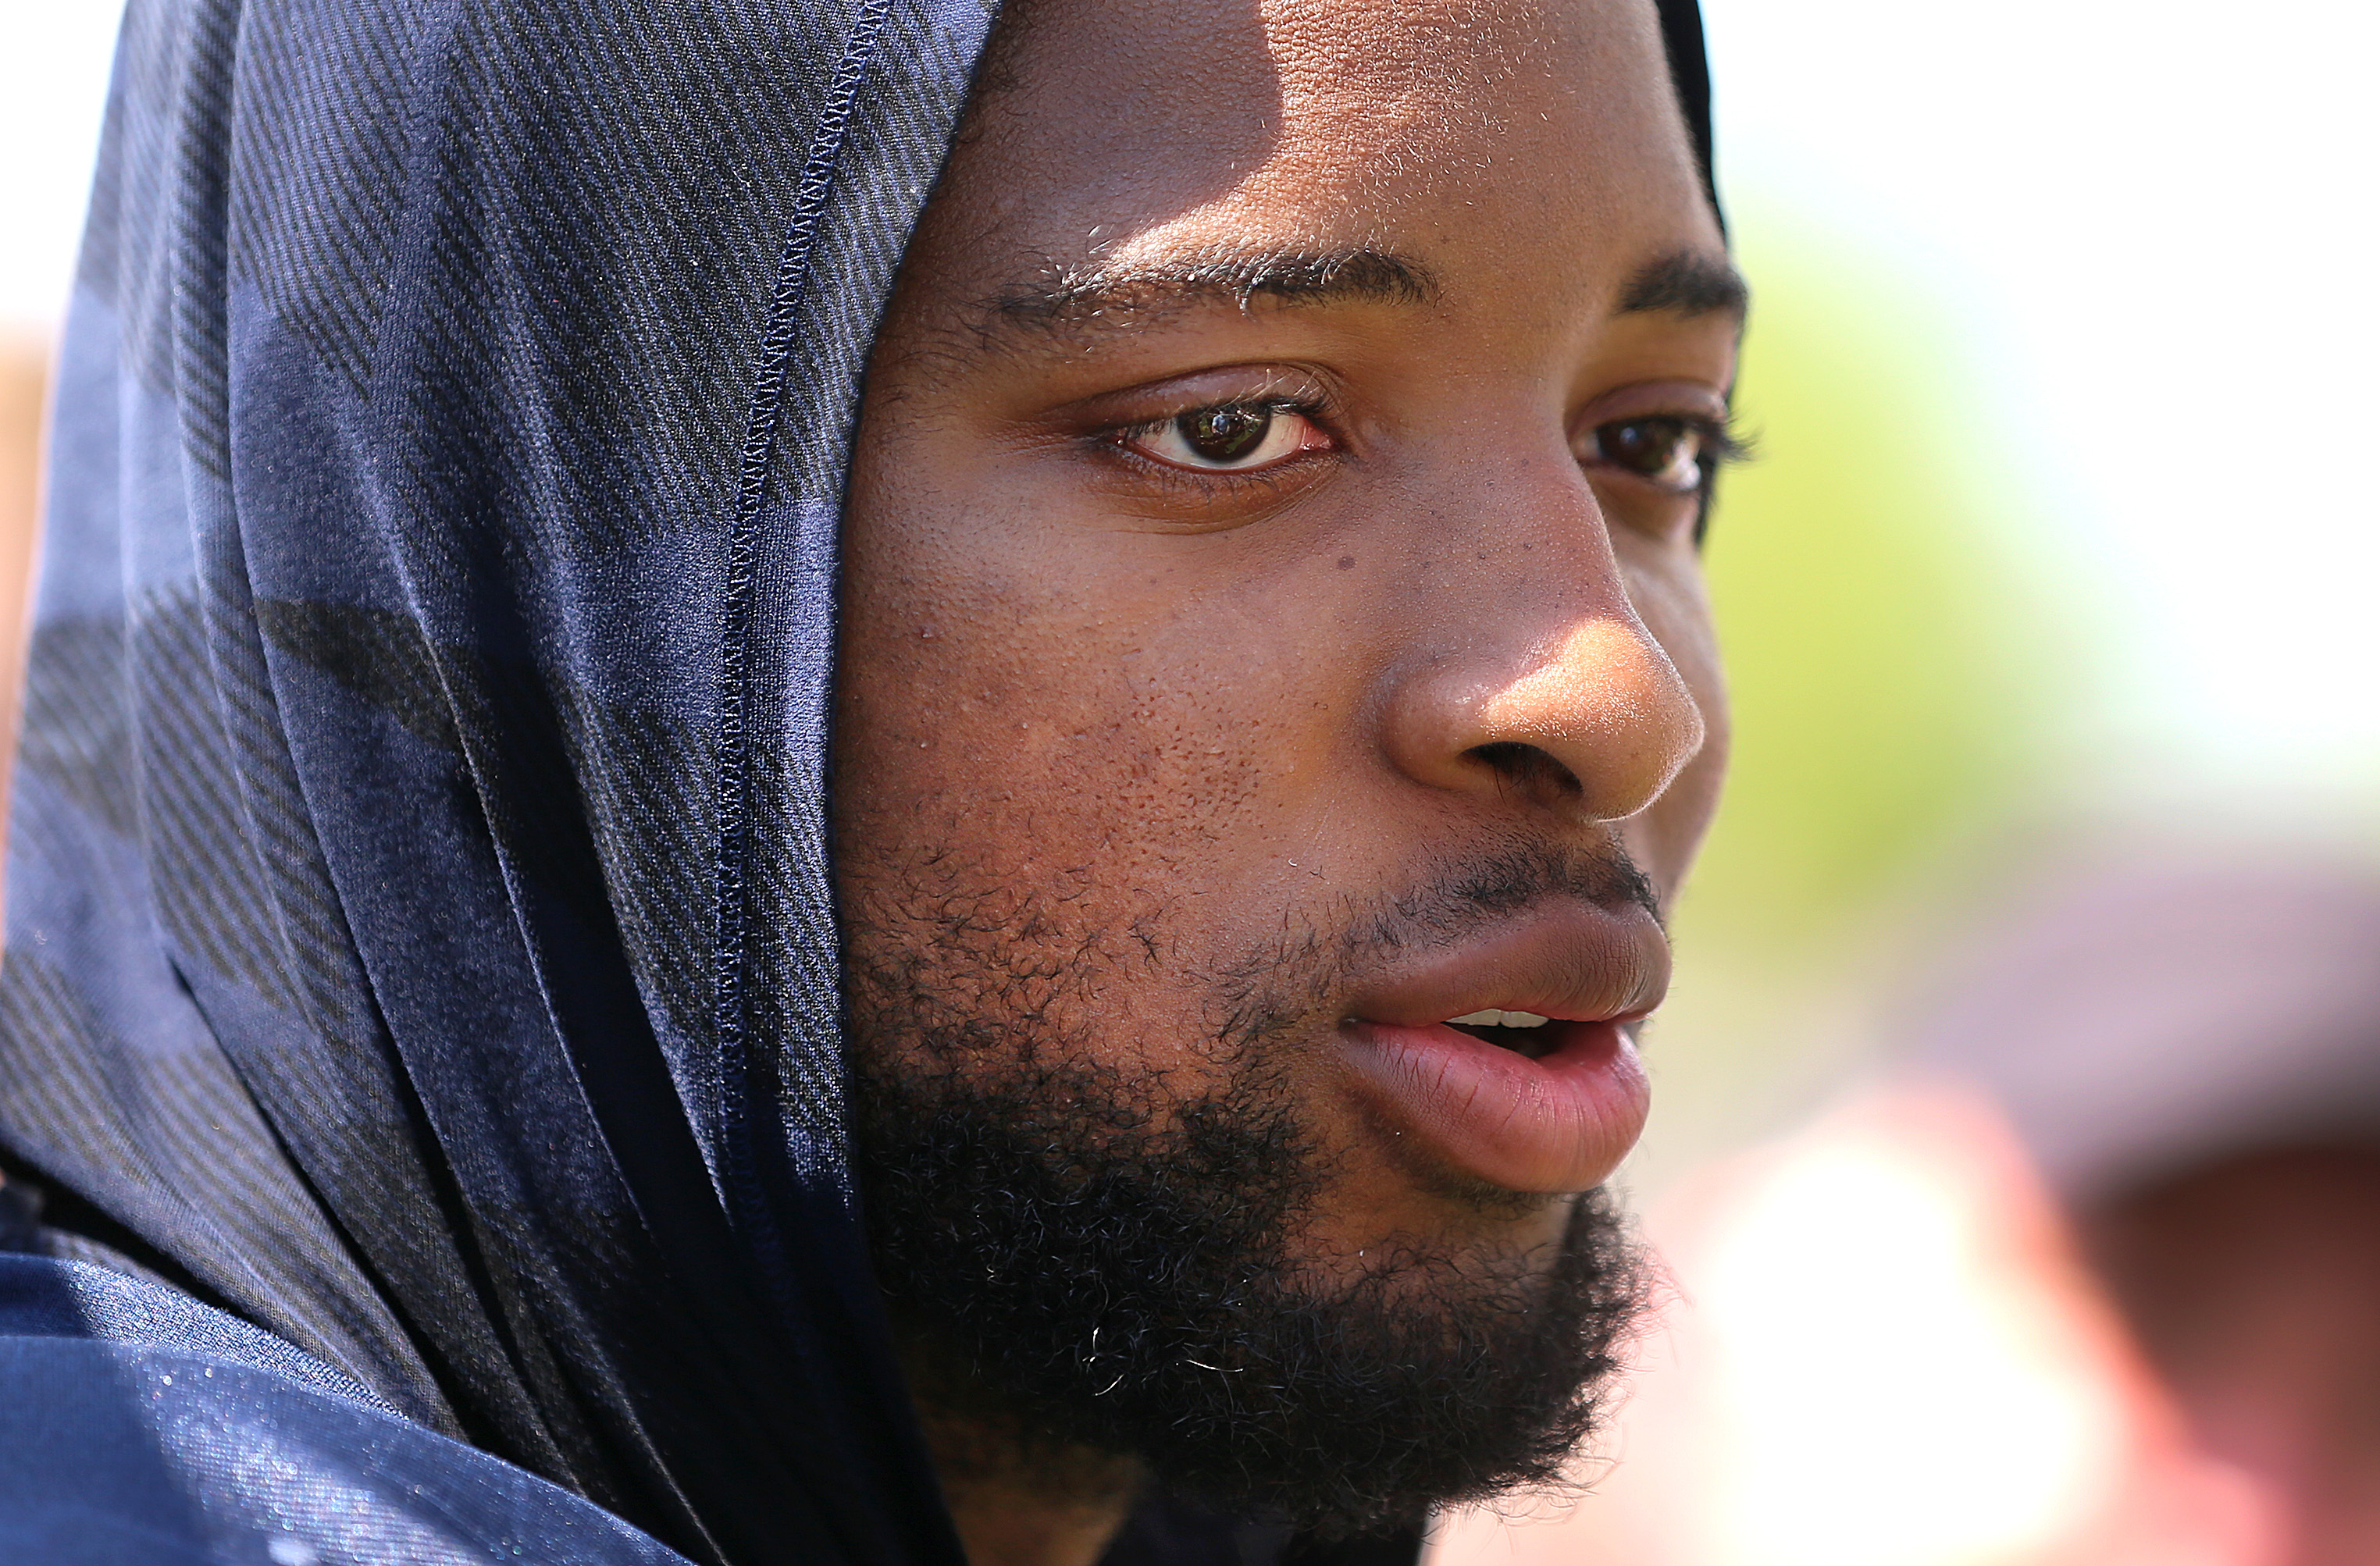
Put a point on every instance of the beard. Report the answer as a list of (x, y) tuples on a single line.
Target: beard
[(1081, 1263)]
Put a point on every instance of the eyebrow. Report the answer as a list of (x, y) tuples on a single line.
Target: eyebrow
[(1687, 282), (1068, 296)]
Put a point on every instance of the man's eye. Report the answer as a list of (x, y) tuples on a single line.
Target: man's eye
[(1230, 438), (1669, 453)]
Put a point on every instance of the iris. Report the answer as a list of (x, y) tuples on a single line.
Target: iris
[(1224, 435)]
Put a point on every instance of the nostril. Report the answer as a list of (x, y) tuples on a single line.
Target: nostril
[(1525, 769)]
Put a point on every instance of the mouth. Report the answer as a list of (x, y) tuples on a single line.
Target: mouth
[(1524, 1033), (1513, 1058)]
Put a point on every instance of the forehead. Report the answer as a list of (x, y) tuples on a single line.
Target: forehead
[(1535, 138)]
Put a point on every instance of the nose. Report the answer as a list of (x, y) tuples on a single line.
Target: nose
[(1569, 704)]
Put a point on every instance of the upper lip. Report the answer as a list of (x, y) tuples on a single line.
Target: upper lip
[(1570, 960)]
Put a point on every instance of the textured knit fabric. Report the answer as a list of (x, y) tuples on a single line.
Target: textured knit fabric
[(420, 949)]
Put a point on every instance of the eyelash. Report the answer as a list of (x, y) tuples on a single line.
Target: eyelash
[(1730, 442)]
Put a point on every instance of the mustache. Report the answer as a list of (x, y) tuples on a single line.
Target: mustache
[(1506, 882), (1312, 962)]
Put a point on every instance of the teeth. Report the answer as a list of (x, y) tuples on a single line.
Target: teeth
[(1494, 1018)]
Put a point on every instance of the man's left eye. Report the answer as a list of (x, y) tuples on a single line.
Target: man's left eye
[(1670, 453), (1234, 438)]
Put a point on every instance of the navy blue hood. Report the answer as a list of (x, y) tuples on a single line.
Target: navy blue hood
[(419, 941)]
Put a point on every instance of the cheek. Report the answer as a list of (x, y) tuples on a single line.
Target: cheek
[(1141, 743), (1120, 688), (1102, 769)]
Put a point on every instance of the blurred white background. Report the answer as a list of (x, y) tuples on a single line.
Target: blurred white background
[(2149, 228), (53, 85)]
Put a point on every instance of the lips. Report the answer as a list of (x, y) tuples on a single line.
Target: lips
[(1549, 1106)]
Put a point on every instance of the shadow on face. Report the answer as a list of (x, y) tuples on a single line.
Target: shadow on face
[(1133, 110)]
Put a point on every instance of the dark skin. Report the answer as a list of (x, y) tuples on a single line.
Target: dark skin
[(1441, 284)]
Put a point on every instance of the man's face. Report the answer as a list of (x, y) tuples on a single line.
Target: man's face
[(1273, 625)]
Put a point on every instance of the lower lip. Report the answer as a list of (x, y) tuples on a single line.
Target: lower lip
[(1559, 1123)]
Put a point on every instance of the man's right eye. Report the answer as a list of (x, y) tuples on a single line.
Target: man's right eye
[(1232, 438)]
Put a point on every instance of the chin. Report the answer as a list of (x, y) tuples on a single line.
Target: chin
[(1195, 1282)]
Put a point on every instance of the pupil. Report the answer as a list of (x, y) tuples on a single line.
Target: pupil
[(1226, 434)]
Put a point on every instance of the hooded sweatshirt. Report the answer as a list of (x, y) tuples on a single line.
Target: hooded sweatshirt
[(420, 1069)]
